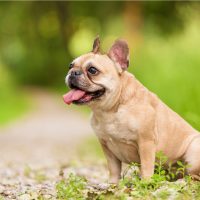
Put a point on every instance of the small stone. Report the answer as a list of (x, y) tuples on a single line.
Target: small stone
[(7, 192), (25, 197), (47, 196), (103, 186), (1, 189)]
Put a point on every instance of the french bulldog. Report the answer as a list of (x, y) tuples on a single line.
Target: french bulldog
[(131, 122)]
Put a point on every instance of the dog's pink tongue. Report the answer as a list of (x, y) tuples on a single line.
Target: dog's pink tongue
[(73, 95)]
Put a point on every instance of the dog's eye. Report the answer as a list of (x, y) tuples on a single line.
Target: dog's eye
[(93, 70), (71, 65)]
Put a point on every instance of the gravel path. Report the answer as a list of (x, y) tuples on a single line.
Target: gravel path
[(35, 149)]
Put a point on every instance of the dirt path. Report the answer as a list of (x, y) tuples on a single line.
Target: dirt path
[(49, 132), (33, 149)]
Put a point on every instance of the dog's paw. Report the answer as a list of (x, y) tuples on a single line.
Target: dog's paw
[(195, 177)]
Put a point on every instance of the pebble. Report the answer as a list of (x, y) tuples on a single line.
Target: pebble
[(25, 197), (1, 189), (22, 187)]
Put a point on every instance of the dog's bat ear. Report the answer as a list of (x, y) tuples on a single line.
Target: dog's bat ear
[(119, 53), (96, 45)]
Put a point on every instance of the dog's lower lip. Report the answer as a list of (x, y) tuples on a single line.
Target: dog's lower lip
[(94, 95)]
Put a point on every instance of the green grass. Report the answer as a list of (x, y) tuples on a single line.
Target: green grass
[(72, 188), (160, 186)]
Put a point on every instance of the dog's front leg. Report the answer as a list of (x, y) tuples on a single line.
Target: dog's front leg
[(114, 164), (147, 158)]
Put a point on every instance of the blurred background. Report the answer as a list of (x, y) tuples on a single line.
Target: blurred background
[(39, 39)]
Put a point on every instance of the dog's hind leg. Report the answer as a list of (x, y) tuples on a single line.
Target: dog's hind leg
[(192, 157)]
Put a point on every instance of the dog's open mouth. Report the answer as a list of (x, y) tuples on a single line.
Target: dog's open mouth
[(79, 96)]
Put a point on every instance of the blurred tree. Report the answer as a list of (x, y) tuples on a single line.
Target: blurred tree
[(34, 37), (164, 17), (38, 39)]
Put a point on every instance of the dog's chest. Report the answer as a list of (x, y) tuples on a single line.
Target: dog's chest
[(120, 135), (116, 127)]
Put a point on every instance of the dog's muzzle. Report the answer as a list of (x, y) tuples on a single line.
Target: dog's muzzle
[(73, 79)]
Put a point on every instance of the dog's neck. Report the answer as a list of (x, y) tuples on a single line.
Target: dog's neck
[(121, 96), (128, 93)]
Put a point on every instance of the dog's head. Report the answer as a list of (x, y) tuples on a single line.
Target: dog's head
[(94, 78)]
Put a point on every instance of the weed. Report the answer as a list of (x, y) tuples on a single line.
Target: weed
[(160, 186), (71, 188)]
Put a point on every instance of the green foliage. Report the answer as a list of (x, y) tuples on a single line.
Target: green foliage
[(160, 13), (38, 40), (160, 186), (71, 189), (161, 160)]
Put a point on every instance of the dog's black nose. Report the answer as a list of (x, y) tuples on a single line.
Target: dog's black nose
[(76, 73), (73, 79)]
